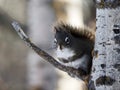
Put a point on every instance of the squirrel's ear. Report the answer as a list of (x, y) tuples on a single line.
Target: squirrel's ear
[(59, 26), (55, 29)]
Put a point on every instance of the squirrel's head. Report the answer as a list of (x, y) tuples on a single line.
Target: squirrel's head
[(71, 37), (63, 39), (71, 42)]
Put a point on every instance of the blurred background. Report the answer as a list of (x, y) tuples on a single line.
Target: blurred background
[(20, 67)]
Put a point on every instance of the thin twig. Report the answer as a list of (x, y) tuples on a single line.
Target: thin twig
[(44, 55)]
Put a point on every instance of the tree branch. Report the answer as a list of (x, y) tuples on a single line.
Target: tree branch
[(73, 72)]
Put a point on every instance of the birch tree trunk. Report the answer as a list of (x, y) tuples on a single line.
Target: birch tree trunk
[(106, 62), (41, 75)]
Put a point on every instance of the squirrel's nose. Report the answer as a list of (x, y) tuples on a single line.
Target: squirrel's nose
[(60, 46)]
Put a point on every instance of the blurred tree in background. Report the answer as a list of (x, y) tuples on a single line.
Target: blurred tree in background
[(21, 69), (12, 50)]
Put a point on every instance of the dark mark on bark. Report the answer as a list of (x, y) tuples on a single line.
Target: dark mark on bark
[(108, 43), (93, 70), (117, 26), (117, 66), (96, 27), (107, 3), (110, 16), (103, 16), (98, 15), (104, 80), (117, 39), (116, 31), (95, 53), (104, 24), (103, 54), (103, 66), (117, 50), (91, 77), (102, 27), (102, 43), (91, 85)]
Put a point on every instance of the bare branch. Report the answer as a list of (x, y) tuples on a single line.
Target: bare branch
[(73, 72)]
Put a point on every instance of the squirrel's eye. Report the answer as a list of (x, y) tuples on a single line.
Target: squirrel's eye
[(67, 40), (55, 40)]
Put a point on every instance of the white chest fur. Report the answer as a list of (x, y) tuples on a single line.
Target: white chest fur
[(64, 53), (80, 62)]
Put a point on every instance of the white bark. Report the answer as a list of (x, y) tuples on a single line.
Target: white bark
[(106, 63), (40, 18)]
